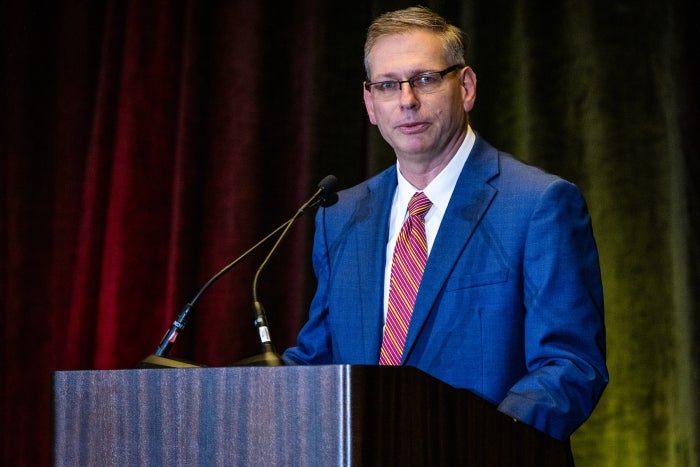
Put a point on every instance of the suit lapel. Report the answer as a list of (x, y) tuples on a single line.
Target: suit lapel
[(470, 200)]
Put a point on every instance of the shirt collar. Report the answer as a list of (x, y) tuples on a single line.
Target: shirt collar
[(439, 190)]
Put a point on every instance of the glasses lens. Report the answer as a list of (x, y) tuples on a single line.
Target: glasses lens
[(385, 89), (427, 82)]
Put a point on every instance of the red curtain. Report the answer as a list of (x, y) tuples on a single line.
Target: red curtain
[(144, 146)]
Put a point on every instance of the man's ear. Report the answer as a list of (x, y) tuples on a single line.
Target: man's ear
[(369, 104), (469, 85)]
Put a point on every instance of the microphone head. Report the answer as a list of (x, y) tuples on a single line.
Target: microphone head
[(328, 196), (328, 183)]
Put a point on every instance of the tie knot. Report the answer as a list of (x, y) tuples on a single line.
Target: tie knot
[(419, 205)]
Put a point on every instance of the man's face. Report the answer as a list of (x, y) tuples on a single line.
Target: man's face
[(421, 127)]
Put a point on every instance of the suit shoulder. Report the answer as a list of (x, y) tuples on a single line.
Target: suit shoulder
[(380, 182), (515, 180), (517, 174)]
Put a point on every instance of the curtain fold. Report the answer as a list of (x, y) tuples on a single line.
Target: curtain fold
[(145, 145)]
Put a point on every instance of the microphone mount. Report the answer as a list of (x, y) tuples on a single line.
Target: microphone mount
[(325, 196)]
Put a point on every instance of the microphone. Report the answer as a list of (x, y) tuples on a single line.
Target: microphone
[(324, 196)]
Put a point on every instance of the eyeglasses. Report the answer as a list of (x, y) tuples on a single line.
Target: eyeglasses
[(424, 82)]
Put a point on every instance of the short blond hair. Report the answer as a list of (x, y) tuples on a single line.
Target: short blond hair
[(410, 19)]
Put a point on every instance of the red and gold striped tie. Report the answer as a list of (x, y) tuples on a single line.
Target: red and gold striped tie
[(408, 263)]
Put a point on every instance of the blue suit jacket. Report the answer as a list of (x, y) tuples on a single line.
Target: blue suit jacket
[(510, 306)]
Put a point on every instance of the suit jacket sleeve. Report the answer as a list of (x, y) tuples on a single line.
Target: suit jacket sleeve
[(564, 347)]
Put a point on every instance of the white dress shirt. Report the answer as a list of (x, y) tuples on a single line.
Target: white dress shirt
[(439, 191)]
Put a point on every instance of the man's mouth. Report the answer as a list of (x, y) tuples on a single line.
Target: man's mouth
[(412, 127)]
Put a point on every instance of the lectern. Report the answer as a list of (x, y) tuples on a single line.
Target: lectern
[(335, 415)]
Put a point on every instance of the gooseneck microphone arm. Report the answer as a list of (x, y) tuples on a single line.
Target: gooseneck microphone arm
[(325, 196)]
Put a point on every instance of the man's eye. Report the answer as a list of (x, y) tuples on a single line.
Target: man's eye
[(425, 80), (387, 85)]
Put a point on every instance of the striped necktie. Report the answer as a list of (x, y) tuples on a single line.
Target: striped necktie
[(407, 265)]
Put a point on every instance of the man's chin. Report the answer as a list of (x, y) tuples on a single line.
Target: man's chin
[(411, 144)]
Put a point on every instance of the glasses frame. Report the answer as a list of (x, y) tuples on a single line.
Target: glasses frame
[(413, 79)]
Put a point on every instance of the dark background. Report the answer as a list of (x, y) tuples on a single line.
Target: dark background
[(145, 144)]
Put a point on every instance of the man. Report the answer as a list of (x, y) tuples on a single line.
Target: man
[(509, 304)]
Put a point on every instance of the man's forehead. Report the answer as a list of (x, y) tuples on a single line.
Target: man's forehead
[(406, 54)]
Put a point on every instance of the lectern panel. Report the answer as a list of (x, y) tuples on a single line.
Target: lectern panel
[(335, 415)]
